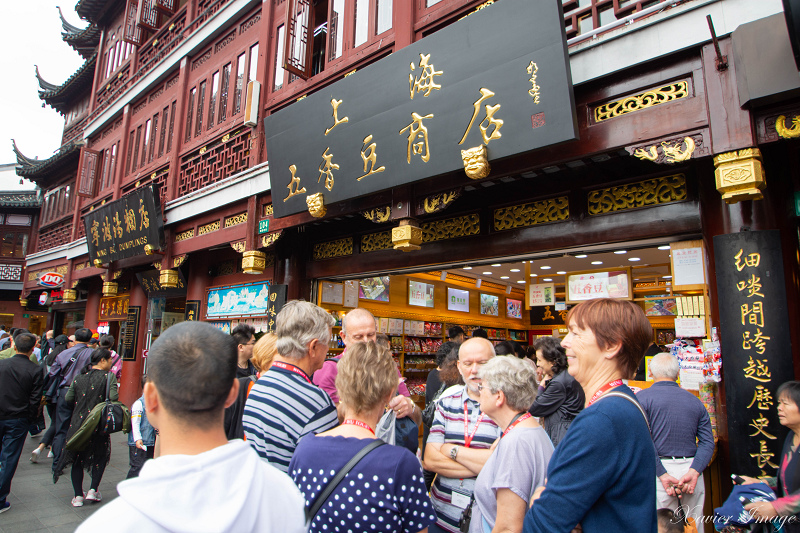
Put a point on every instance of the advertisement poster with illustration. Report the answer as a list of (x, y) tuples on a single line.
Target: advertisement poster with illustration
[(375, 289), (582, 286), (490, 305), (241, 300), (420, 294), (513, 308), (457, 300), (542, 294)]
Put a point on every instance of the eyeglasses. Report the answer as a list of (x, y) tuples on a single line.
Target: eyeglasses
[(250, 343)]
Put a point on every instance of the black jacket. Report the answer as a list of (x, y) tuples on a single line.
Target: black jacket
[(560, 402), (21, 383)]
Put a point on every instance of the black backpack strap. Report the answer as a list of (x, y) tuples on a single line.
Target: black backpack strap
[(108, 387), (330, 487)]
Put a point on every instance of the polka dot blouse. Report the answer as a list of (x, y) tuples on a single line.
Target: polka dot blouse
[(385, 491)]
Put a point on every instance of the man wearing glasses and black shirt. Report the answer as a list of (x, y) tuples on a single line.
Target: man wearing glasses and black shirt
[(245, 337)]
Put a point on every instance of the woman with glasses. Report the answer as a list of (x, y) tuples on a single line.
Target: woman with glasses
[(519, 462)]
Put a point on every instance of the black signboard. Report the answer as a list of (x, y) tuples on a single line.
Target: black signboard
[(498, 78), (277, 299), (546, 315), (123, 228), (755, 344), (192, 312), (149, 281), (131, 333)]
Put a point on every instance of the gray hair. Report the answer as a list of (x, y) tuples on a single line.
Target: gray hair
[(358, 311), (298, 324), (664, 365), (515, 377)]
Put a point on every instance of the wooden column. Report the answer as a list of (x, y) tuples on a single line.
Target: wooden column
[(131, 381), (122, 154), (92, 313), (98, 72), (403, 19), (178, 135)]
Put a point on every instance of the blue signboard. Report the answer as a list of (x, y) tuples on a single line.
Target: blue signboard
[(239, 300)]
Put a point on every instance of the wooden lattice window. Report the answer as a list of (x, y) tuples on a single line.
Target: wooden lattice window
[(219, 161), (167, 6), (88, 170), (133, 32), (298, 49), (583, 16), (147, 16)]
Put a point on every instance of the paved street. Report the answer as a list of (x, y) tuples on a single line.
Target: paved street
[(39, 505)]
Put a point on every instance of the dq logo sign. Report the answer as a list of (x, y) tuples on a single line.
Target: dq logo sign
[(51, 279)]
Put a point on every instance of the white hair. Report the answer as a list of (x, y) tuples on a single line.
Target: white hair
[(297, 325), (515, 377), (664, 366)]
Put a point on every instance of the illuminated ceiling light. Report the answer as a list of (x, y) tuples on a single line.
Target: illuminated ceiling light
[(487, 273), (581, 256), (521, 281), (497, 265), (620, 252), (514, 270), (634, 259), (597, 262), (547, 279), (665, 247), (534, 275), (503, 277), (667, 277), (545, 267), (561, 272), (467, 268)]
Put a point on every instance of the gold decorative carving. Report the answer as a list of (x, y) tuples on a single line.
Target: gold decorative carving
[(372, 242), (75, 284), (81, 266), (157, 265), (116, 274), (439, 202), (179, 260), (645, 100), (235, 220), (239, 246), (671, 152), (451, 228), (97, 263), (253, 262), (226, 137), (182, 236), (270, 238), (407, 237), (203, 150), (740, 175), (168, 279), (110, 288), (316, 205), (70, 295), (476, 163), (208, 228), (379, 215), (329, 250), (268, 210), (788, 133), (641, 194), (269, 262), (62, 270), (23, 302), (531, 214)]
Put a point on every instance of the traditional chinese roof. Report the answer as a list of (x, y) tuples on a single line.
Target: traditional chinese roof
[(84, 41), (93, 10), (63, 96), (20, 199), (40, 171)]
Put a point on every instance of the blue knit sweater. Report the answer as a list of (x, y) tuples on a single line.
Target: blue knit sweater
[(601, 475)]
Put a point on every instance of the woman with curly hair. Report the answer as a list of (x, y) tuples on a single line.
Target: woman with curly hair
[(562, 397)]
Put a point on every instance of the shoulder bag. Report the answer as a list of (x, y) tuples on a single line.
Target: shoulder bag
[(50, 390), (115, 416), (313, 509), (430, 410)]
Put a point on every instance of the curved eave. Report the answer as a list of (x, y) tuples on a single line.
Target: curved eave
[(20, 199), (92, 10), (84, 42), (63, 96), (41, 171)]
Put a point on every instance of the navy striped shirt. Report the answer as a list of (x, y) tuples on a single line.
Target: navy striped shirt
[(281, 409), (448, 427)]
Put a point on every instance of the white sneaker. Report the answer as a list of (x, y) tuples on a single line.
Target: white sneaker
[(77, 501), (93, 496), (35, 455), (50, 454)]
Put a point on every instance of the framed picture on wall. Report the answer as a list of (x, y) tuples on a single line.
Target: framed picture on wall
[(457, 300), (420, 294), (490, 305), (332, 293), (513, 308), (375, 289), (603, 283)]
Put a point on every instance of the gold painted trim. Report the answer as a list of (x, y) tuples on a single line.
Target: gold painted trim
[(788, 133), (372, 242), (235, 220), (182, 236), (645, 193), (329, 250), (644, 100), (379, 215), (531, 214), (179, 260), (439, 202), (672, 151), (270, 238), (208, 228), (451, 228), (239, 246), (739, 175)]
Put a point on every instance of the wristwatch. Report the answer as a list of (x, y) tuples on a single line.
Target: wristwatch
[(453, 452)]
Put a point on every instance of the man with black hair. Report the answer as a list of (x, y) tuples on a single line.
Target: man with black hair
[(67, 365), (480, 332), (456, 334), (201, 481), (11, 350), (245, 337), (21, 384)]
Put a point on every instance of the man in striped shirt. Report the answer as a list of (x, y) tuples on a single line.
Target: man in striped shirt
[(461, 438), (284, 405)]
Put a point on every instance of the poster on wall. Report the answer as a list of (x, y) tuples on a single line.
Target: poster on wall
[(351, 293), (332, 293), (375, 289), (541, 294), (582, 286), (457, 300), (513, 308), (238, 300), (490, 305), (420, 294), (687, 265), (170, 319)]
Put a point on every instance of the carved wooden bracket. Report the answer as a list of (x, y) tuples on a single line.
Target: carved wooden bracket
[(178, 260), (671, 150), (239, 246), (379, 215), (270, 238), (438, 202)]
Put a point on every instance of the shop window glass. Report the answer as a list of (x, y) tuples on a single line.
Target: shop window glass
[(171, 126), (200, 102), (253, 62), (190, 113), (237, 97), (145, 142), (279, 72), (336, 30), (384, 16), (223, 93), (164, 118), (212, 100), (362, 22)]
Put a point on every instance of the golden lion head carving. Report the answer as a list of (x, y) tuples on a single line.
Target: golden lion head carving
[(476, 164), (316, 205)]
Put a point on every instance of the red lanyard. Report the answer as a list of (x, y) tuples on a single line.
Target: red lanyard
[(468, 439), (515, 422), (603, 389), (291, 368), (359, 423)]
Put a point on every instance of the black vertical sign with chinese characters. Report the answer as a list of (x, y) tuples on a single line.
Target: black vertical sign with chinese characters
[(277, 299), (756, 349)]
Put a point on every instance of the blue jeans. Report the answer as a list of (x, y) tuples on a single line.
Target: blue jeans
[(12, 437)]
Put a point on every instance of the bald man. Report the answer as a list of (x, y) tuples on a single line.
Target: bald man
[(359, 326)]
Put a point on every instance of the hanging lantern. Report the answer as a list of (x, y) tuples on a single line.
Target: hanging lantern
[(254, 262), (110, 288), (70, 295), (168, 279)]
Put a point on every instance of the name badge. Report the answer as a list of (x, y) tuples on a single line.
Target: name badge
[(460, 500)]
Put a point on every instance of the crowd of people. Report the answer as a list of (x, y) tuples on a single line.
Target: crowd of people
[(240, 432)]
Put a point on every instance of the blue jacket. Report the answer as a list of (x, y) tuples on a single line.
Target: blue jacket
[(601, 475), (148, 432)]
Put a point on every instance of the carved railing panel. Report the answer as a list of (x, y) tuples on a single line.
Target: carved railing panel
[(214, 162)]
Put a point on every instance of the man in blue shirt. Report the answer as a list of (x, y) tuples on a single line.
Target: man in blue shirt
[(682, 435)]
